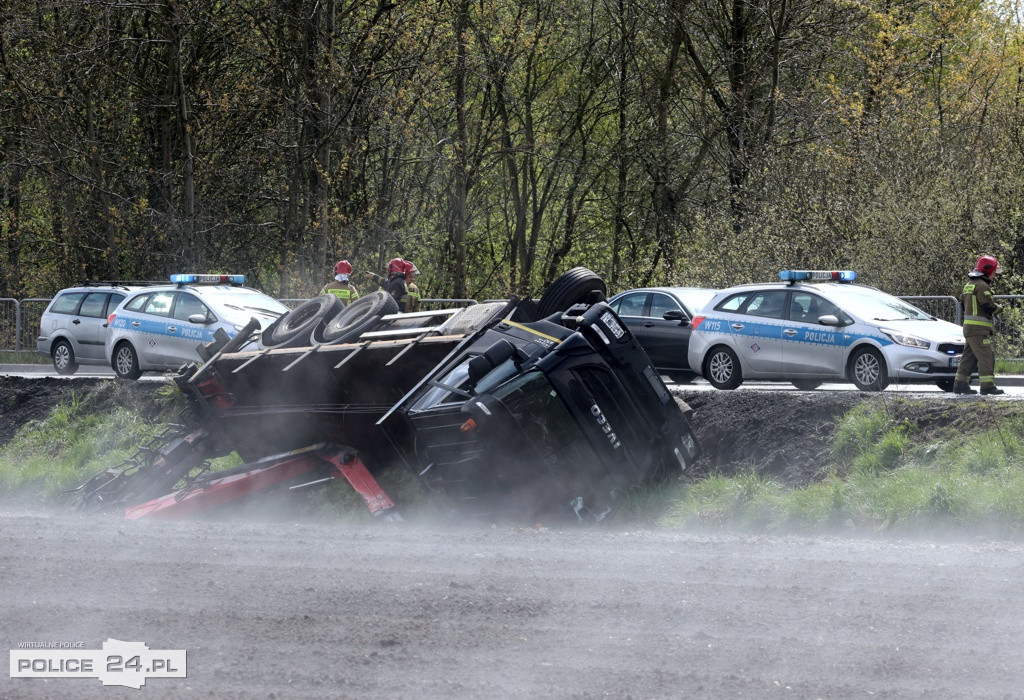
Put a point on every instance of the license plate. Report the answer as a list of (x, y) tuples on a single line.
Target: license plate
[(954, 361)]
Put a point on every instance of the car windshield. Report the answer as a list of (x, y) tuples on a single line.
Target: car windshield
[(248, 302), (695, 299), (873, 305)]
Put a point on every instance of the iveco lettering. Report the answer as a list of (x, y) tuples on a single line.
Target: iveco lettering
[(817, 326)]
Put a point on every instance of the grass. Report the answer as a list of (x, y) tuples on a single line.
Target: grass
[(9, 357), (883, 482), (47, 458), (1009, 366)]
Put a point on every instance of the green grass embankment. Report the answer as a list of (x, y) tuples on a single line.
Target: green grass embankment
[(887, 476)]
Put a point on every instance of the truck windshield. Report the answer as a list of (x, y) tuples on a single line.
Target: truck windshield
[(547, 423)]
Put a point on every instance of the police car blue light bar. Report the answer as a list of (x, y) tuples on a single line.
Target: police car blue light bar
[(207, 279), (829, 275)]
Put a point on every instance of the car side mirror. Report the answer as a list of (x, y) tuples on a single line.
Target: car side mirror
[(829, 320), (198, 318), (676, 315)]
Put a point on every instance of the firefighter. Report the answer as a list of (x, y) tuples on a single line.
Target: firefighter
[(394, 283), (341, 287), (411, 272), (979, 306)]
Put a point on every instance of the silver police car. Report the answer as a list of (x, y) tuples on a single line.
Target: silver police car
[(160, 327), (816, 327)]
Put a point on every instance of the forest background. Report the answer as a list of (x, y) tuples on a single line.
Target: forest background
[(498, 142)]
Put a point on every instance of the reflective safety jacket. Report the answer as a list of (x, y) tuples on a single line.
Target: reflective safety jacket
[(979, 304), (414, 297), (346, 291)]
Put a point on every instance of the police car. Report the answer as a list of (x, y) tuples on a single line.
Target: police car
[(817, 326), (160, 327)]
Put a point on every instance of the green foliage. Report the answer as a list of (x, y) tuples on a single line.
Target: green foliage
[(975, 484), (46, 458), (861, 426), (499, 143)]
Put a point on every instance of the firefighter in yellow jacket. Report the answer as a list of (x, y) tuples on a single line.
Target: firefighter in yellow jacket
[(979, 309), (411, 272), (341, 287)]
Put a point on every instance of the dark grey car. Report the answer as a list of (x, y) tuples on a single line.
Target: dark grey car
[(73, 328), (660, 318)]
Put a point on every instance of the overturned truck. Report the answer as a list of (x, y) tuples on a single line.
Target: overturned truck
[(505, 410)]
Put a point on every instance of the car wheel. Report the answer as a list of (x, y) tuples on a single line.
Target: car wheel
[(806, 384), (946, 383), (294, 328), (126, 362), (681, 377), (63, 356), (574, 287), (360, 316), (722, 368), (868, 371)]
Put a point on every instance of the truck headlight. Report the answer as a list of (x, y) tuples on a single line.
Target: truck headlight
[(911, 341)]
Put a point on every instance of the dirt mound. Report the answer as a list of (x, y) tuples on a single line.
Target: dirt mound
[(788, 435), (782, 434), (23, 400)]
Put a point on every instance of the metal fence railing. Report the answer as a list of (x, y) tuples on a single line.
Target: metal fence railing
[(19, 320), (30, 313), (946, 308), (10, 323)]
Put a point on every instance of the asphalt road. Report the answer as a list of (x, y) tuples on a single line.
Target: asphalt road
[(285, 609)]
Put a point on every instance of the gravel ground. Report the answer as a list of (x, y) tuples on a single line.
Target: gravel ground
[(291, 609)]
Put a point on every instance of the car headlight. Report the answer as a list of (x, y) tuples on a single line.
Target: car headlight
[(911, 341)]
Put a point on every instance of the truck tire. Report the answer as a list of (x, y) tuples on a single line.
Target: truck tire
[(361, 315), (294, 328), (574, 287)]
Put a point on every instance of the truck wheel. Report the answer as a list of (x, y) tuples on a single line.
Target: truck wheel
[(574, 287), (294, 327), (946, 383), (722, 368), (868, 371), (126, 362), (63, 356), (360, 316)]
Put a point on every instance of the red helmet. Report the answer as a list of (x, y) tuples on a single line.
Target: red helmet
[(410, 269), (396, 266), (343, 267), (987, 266)]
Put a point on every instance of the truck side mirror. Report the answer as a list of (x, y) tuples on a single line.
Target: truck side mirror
[(493, 356)]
